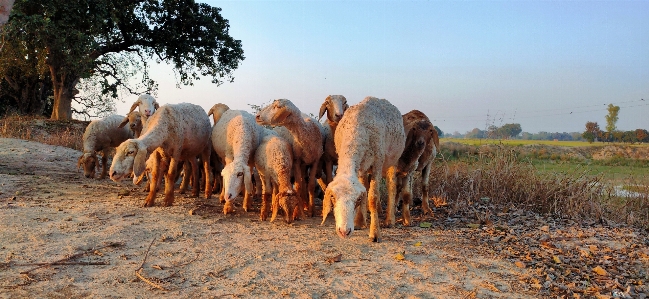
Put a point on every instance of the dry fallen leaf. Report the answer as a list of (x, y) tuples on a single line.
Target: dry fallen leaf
[(599, 270), (545, 228), (400, 256), (418, 244), (473, 225), (519, 264), (556, 259), (335, 259), (425, 224)]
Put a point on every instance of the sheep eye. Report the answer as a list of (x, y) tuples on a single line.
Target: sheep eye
[(130, 152), (240, 174)]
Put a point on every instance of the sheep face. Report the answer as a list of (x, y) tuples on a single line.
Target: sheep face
[(335, 106), (276, 113), (89, 163), (345, 195), (134, 121), (420, 134), (235, 176), (288, 202), (130, 157), (146, 104)]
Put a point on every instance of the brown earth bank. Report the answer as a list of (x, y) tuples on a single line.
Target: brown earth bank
[(65, 236)]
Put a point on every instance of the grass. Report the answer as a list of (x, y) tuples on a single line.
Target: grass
[(40, 129), (518, 142)]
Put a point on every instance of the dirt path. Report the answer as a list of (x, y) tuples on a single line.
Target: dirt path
[(48, 211)]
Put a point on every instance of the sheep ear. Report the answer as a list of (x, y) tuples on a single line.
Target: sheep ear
[(247, 179), (327, 205), (80, 161), (137, 103), (124, 122), (139, 163), (436, 139), (323, 109), (156, 105), (281, 116)]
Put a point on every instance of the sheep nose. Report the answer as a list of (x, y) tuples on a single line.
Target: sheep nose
[(339, 116), (114, 173), (344, 233), (87, 176)]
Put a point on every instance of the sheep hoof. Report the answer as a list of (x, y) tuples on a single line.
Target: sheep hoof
[(148, 204), (375, 239)]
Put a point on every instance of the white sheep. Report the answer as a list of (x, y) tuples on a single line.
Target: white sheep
[(101, 135), (274, 161), (369, 141), (235, 136), (334, 106), (419, 151), (146, 104), (306, 143), (180, 132)]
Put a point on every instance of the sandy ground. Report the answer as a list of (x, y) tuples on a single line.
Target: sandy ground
[(49, 212)]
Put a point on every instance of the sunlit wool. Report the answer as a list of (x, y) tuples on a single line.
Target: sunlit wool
[(181, 132), (334, 106), (101, 135), (369, 141)]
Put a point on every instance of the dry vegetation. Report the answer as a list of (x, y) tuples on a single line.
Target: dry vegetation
[(574, 231)]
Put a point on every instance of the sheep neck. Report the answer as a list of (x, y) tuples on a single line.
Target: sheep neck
[(155, 137), (297, 126)]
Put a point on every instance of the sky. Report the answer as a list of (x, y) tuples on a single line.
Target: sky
[(548, 65)]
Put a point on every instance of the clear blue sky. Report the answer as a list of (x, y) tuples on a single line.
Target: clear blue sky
[(464, 64)]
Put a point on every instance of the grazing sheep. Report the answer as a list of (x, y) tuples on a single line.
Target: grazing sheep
[(134, 121), (101, 135), (334, 106), (369, 141), (146, 104), (421, 138), (235, 137), (306, 143), (180, 132), (274, 161)]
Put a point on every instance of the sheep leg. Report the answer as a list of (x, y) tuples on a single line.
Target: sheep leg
[(311, 186), (186, 177), (196, 186), (392, 192), (406, 198), (248, 194), (299, 188), (170, 182), (360, 221), (265, 194), (275, 203), (425, 178), (206, 156), (159, 167), (104, 161), (372, 198)]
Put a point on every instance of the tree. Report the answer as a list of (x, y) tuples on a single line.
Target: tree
[(509, 130), (475, 134), (611, 118), (642, 135), (592, 132), (101, 39), (440, 133)]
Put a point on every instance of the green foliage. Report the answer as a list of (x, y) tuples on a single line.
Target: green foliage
[(612, 117), (440, 133), (107, 42)]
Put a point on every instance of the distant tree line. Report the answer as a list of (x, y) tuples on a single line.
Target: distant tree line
[(514, 131), (612, 134)]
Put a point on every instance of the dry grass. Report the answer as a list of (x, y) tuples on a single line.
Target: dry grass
[(40, 129), (496, 176)]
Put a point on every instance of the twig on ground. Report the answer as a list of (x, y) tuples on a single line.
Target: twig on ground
[(63, 263), (141, 277), (112, 244)]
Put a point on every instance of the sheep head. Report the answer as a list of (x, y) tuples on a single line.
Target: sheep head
[(89, 163), (276, 113), (217, 111), (134, 121), (147, 105), (344, 195), (335, 106), (234, 174), (130, 157), (288, 202)]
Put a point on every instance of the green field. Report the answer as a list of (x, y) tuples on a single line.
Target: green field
[(519, 142)]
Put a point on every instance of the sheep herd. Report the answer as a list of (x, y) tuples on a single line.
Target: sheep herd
[(284, 165)]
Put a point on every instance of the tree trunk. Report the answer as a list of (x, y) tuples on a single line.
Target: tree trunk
[(63, 85)]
